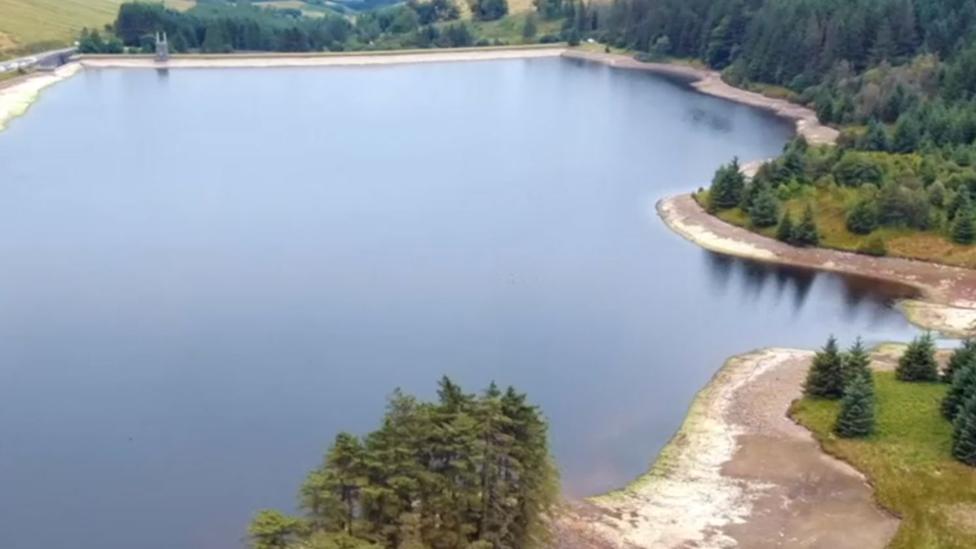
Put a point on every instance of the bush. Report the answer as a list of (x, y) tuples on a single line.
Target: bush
[(874, 246), (863, 218)]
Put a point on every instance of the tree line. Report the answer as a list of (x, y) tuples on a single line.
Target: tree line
[(462, 471)]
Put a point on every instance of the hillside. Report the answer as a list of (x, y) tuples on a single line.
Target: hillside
[(30, 25)]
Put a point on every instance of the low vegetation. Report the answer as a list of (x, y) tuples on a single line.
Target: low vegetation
[(912, 435), (219, 26), (464, 471)]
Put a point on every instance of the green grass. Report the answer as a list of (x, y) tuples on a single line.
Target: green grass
[(831, 206), (509, 28), (908, 461), (31, 25)]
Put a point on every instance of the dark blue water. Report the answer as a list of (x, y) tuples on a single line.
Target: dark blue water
[(207, 274)]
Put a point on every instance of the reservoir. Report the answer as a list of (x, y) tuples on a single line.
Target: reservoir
[(206, 274)]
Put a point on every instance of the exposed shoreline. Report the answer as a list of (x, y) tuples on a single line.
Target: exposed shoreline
[(947, 300), (710, 82), (739, 472), (17, 96)]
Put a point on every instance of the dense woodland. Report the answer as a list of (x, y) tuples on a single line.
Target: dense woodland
[(899, 76), (465, 471)]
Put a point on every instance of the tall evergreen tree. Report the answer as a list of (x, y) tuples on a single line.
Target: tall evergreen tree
[(764, 211), (918, 362), (806, 232), (963, 355), (785, 229), (964, 433), (963, 386), (727, 186), (964, 225), (825, 379), (857, 363), (857, 417)]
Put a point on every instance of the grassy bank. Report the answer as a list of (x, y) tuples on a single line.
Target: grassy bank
[(908, 461), (831, 205), (32, 25)]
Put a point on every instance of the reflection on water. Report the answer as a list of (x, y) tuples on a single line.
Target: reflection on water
[(213, 282), (758, 280)]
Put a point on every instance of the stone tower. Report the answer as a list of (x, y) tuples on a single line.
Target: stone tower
[(162, 47)]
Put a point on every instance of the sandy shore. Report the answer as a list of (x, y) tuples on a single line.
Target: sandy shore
[(711, 83), (18, 95), (739, 473), (947, 295), (269, 60)]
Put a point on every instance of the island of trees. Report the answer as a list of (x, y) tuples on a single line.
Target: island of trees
[(464, 471)]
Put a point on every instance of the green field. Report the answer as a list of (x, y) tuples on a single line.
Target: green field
[(831, 205), (27, 26), (31, 25), (908, 461)]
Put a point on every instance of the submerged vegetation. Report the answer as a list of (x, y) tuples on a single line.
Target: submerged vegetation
[(464, 471)]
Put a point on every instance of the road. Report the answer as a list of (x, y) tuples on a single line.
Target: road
[(46, 59)]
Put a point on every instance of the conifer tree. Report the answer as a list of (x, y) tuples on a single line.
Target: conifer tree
[(825, 379), (962, 356), (856, 418), (857, 363), (963, 386), (764, 211), (964, 226), (727, 186), (918, 362), (806, 233), (876, 138), (964, 433), (784, 231)]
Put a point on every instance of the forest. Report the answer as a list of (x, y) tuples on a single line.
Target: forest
[(464, 471), (897, 76)]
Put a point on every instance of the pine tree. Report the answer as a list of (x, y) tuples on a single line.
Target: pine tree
[(825, 379), (856, 418), (764, 211), (857, 363), (876, 138), (918, 362), (962, 356), (806, 233), (963, 386), (964, 433), (964, 226), (727, 186), (784, 231), (271, 529)]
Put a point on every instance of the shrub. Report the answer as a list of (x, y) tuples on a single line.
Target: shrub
[(874, 246)]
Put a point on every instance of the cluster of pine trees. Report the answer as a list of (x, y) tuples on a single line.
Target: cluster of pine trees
[(900, 75), (845, 376), (465, 471)]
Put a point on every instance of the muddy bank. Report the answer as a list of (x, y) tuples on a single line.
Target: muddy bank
[(17, 95), (270, 60), (710, 82), (947, 300), (739, 473)]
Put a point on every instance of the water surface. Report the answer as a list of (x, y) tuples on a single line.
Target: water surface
[(208, 273)]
